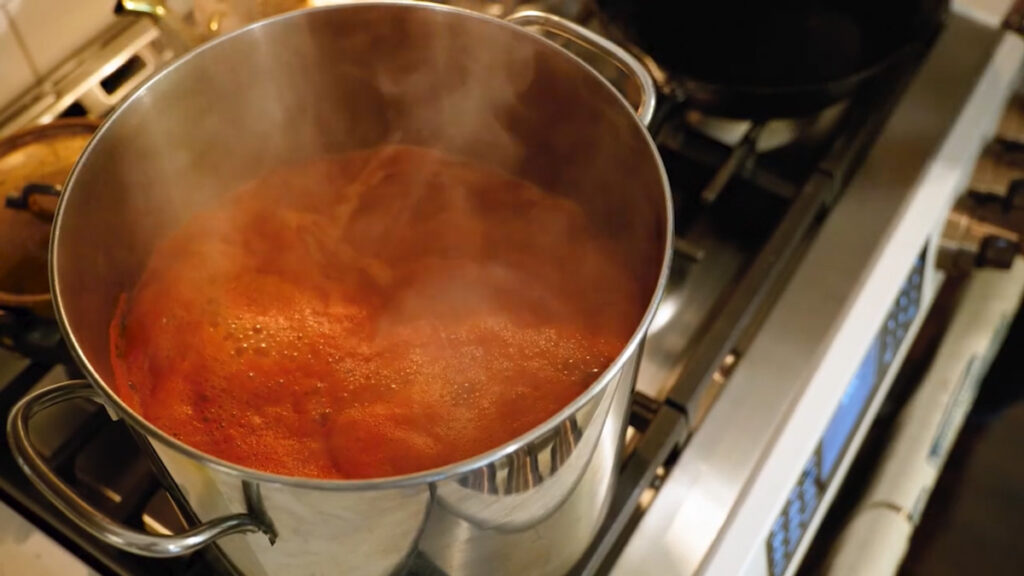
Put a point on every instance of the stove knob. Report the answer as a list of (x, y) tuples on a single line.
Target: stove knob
[(970, 242), (1014, 199), (998, 252)]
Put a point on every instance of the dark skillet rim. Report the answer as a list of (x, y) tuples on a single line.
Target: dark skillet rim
[(709, 93)]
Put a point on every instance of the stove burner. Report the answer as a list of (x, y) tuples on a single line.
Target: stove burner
[(748, 137), (771, 134)]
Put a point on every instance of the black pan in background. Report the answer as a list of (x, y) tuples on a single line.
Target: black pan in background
[(773, 58)]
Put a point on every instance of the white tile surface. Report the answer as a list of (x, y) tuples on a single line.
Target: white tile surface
[(26, 550), (15, 73), (54, 29)]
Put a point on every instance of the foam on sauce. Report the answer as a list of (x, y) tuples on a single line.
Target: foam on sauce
[(371, 314)]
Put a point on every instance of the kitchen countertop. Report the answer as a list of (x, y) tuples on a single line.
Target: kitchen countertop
[(27, 550)]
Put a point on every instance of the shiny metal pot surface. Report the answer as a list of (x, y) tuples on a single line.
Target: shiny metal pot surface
[(325, 81)]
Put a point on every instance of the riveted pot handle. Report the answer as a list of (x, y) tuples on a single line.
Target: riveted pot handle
[(111, 532), (623, 59)]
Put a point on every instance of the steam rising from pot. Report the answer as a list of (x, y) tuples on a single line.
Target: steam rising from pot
[(301, 88)]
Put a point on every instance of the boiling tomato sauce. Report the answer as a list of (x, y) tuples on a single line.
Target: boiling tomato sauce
[(371, 314)]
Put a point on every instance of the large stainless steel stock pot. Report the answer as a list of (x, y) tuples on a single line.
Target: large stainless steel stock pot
[(327, 80)]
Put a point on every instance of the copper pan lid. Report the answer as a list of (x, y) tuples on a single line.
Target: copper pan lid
[(39, 157)]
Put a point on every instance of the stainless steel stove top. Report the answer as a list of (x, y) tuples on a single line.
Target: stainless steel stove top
[(733, 258)]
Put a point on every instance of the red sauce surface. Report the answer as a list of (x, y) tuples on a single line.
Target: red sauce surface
[(370, 314)]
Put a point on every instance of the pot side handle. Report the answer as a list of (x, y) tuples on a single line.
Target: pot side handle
[(593, 41), (109, 531)]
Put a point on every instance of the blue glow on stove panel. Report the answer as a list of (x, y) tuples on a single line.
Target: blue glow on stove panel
[(791, 524), (851, 408), (789, 527)]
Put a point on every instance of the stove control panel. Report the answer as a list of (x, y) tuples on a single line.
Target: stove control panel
[(791, 524)]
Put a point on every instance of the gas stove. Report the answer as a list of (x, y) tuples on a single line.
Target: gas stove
[(802, 274)]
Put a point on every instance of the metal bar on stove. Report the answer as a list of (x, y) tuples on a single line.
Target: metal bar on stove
[(666, 432), (718, 341), (713, 154), (740, 154)]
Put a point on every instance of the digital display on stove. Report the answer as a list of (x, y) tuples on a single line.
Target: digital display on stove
[(791, 524), (851, 408)]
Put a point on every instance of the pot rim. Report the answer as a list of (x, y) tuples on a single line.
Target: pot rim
[(418, 478)]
